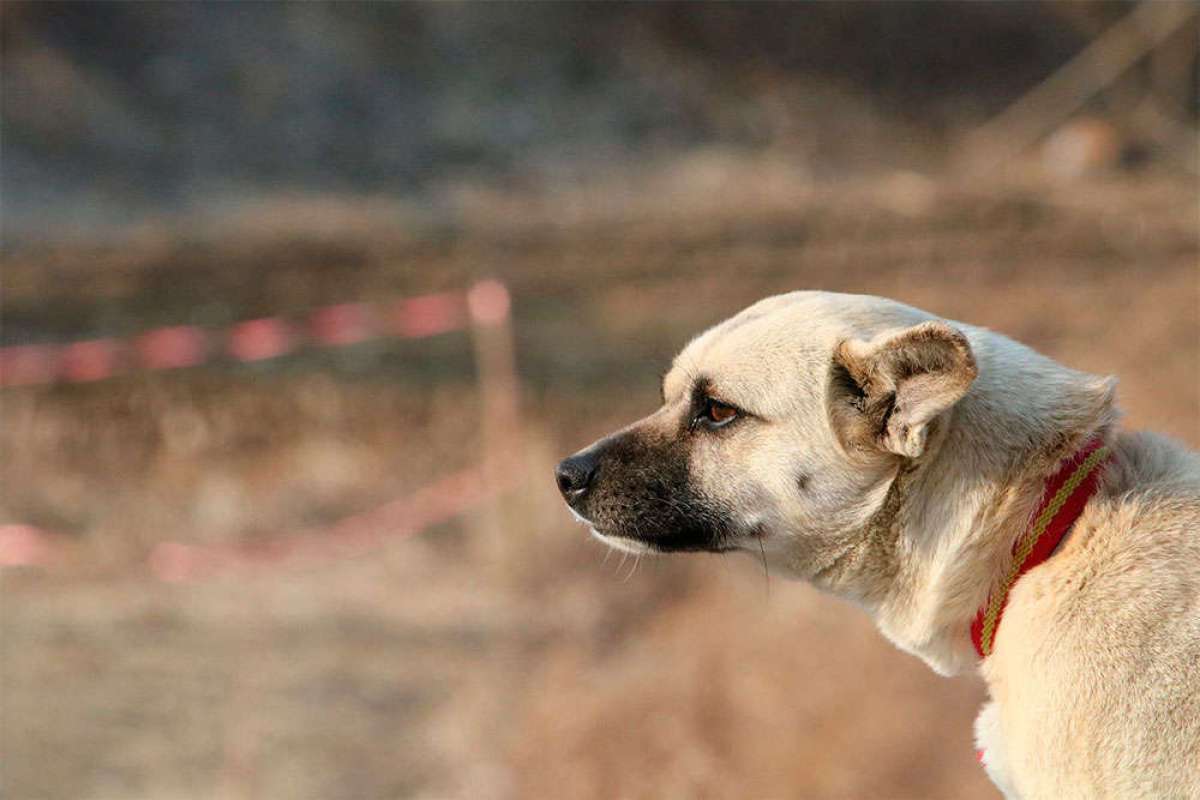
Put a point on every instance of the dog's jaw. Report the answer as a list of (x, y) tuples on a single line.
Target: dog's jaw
[(631, 546)]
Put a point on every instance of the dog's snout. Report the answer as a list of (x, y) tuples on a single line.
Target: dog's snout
[(575, 475)]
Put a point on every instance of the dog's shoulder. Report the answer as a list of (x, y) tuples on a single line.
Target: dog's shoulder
[(1110, 629), (1134, 550), (1143, 530)]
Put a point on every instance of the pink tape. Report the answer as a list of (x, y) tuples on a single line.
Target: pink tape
[(438, 502), (173, 347), (347, 323), (91, 360), (258, 339), (22, 365), (426, 316), (23, 546)]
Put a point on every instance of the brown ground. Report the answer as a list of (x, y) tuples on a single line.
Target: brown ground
[(474, 662)]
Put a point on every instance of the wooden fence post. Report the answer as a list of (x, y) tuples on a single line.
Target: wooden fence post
[(490, 309)]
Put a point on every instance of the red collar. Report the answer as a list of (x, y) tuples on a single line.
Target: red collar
[(1063, 498)]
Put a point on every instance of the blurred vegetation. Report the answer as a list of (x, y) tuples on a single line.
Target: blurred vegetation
[(115, 110)]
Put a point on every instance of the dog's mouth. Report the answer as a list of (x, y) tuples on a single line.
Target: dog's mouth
[(637, 544), (625, 544)]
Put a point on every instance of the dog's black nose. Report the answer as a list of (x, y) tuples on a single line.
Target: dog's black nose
[(574, 476)]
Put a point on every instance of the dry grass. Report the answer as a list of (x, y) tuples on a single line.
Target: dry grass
[(468, 662)]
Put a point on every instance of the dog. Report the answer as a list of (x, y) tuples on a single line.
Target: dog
[(977, 499)]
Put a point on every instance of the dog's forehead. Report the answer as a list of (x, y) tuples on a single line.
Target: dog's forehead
[(787, 338), (741, 356)]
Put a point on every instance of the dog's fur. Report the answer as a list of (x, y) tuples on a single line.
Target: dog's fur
[(893, 459)]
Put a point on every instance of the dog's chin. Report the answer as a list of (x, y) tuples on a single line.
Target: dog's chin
[(625, 544), (638, 546)]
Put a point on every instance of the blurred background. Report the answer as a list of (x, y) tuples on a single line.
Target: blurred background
[(302, 301)]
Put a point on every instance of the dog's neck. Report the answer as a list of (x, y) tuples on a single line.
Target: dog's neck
[(953, 515)]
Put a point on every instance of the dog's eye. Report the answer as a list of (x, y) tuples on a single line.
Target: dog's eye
[(716, 413)]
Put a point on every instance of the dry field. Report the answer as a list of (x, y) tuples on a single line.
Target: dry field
[(509, 659)]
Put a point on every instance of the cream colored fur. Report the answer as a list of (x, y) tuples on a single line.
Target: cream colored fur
[(1095, 675)]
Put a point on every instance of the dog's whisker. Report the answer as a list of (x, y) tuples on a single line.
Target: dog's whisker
[(766, 572), (636, 560)]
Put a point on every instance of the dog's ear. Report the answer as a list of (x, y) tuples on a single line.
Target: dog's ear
[(886, 392)]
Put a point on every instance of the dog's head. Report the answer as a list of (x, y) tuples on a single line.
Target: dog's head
[(780, 429)]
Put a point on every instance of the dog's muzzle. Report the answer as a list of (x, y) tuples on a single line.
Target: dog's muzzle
[(634, 490)]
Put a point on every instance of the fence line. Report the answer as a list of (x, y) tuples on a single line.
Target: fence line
[(485, 308), (431, 505), (178, 346)]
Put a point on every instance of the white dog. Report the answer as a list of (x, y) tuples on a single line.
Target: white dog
[(976, 498)]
